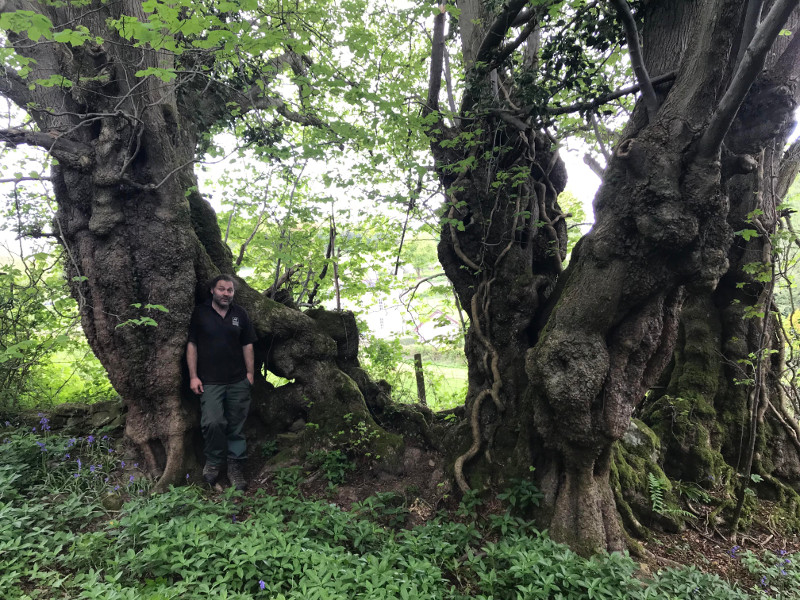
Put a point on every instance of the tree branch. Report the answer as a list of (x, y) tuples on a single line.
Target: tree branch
[(746, 72), (637, 60), (14, 87), (597, 102), (65, 150), (484, 58), (497, 32), (508, 49), (437, 60), (595, 166), (603, 149), (20, 179), (253, 101), (752, 16)]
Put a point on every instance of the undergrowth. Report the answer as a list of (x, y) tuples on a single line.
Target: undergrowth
[(58, 541)]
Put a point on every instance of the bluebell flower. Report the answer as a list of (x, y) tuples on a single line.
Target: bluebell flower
[(732, 552), (131, 479), (90, 439), (91, 468), (79, 464), (261, 584)]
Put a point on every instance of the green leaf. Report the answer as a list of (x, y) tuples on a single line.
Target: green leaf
[(747, 234), (165, 75)]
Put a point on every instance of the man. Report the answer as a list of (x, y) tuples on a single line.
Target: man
[(220, 358)]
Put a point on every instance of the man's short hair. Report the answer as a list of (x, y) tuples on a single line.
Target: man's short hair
[(222, 277)]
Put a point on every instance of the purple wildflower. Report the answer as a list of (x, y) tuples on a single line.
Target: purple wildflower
[(261, 584), (732, 552), (90, 439)]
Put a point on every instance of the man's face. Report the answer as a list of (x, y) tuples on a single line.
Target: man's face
[(222, 293)]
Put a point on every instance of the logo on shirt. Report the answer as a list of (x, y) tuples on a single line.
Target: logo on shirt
[(235, 321)]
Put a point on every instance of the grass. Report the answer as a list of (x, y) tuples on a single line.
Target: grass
[(59, 539), (445, 385)]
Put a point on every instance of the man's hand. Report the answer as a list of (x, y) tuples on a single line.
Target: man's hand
[(196, 385), (250, 378)]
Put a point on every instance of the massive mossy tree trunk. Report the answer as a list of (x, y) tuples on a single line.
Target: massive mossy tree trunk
[(595, 342), (727, 379), (726, 382), (136, 230)]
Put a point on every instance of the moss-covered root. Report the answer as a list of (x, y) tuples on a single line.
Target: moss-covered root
[(339, 418), (642, 491)]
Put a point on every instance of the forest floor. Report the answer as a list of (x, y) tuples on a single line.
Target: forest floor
[(419, 496), (718, 554)]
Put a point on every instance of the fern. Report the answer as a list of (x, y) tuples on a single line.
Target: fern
[(657, 488)]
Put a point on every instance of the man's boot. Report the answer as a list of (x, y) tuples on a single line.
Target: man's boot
[(236, 474), (210, 473)]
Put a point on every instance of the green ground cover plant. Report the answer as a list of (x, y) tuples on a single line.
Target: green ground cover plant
[(61, 538)]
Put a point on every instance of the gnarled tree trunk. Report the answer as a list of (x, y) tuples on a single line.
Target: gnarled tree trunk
[(597, 341)]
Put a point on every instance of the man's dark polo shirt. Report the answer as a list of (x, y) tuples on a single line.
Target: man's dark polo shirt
[(219, 343)]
